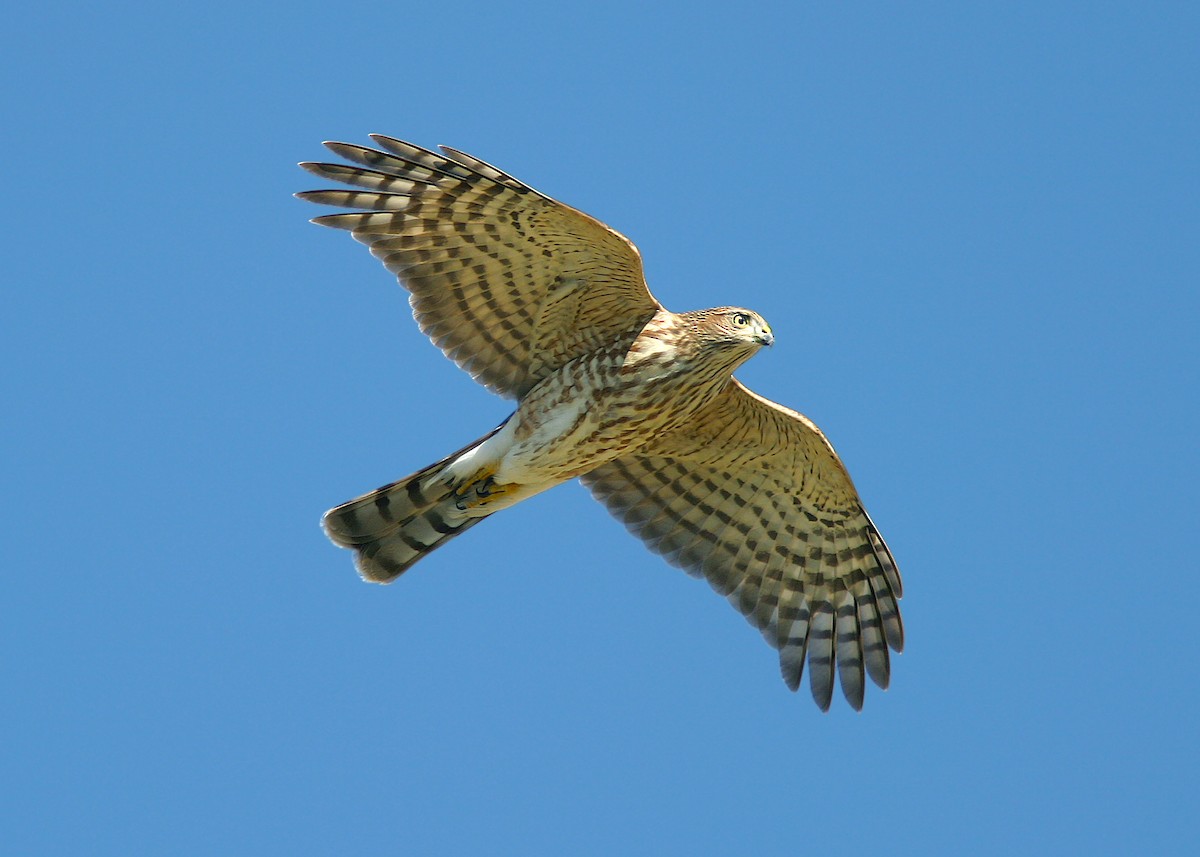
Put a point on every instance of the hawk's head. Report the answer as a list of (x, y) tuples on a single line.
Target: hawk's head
[(734, 328)]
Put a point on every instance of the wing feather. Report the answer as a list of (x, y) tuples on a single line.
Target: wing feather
[(751, 496), (509, 283)]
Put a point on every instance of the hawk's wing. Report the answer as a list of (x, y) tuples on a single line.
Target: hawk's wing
[(751, 496), (509, 283)]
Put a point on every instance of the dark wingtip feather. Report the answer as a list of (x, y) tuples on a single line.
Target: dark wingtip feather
[(365, 222), (821, 655), (853, 686), (896, 637), (791, 666), (822, 694), (878, 664), (333, 221)]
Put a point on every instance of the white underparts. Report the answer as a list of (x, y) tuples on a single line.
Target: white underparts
[(486, 456)]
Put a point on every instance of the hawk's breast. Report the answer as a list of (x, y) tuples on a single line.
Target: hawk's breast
[(599, 407)]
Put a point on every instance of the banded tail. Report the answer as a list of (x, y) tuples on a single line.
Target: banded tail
[(392, 527)]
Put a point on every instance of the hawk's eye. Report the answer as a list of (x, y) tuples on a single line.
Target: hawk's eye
[(741, 319)]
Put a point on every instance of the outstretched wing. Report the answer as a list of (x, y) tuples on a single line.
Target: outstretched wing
[(509, 283), (751, 496)]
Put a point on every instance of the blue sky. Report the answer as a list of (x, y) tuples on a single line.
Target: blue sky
[(974, 230)]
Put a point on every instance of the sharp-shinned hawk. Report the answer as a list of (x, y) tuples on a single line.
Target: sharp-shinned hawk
[(546, 305)]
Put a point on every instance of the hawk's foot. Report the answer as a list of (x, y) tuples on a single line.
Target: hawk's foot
[(485, 496)]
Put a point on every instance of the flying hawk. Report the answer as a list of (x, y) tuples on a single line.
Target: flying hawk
[(545, 305)]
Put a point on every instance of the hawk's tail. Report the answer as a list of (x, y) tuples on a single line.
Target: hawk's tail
[(392, 527)]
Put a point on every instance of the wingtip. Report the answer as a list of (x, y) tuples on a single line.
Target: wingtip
[(308, 195), (395, 145), (344, 222), (340, 148), (821, 688), (791, 668), (882, 678)]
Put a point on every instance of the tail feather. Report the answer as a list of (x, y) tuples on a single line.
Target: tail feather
[(388, 557), (391, 528)]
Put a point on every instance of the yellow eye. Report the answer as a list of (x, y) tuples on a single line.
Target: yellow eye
[(741, 319)]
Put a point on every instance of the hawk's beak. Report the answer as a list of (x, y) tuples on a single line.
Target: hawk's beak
[(765, 337)]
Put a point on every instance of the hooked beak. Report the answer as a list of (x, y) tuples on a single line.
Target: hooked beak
[(765, 337)]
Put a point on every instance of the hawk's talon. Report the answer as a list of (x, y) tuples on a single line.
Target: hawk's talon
[(484, 494)]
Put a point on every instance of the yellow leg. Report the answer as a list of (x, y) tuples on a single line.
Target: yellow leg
[(487, 495), (478, 482), (482, 491)]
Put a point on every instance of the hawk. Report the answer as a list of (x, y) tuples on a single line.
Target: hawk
[(545, 305)]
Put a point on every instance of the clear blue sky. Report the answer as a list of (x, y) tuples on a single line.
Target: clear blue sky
[(975, 230)]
